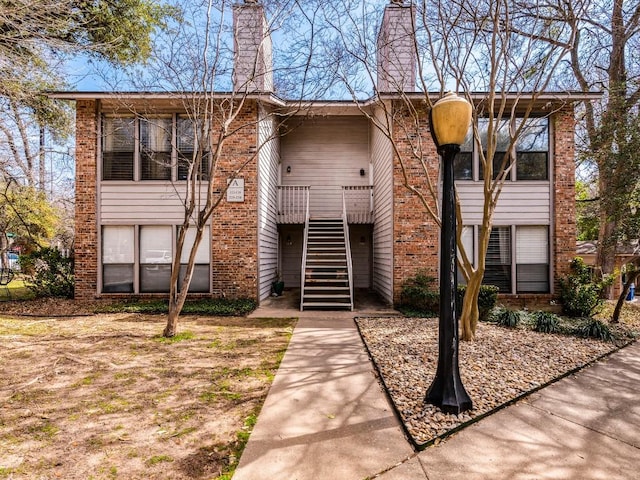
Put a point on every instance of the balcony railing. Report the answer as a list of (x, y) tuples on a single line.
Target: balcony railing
[(358, 201), (294, 201)]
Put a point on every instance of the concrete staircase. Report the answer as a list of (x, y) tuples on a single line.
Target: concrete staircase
[(326, 272)]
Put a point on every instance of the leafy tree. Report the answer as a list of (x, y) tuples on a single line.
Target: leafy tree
[(587, 211), (26, 216)]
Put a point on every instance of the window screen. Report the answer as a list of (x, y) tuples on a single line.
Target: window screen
[(532, 259)]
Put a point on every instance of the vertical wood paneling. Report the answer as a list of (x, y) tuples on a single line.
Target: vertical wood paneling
[(382, 158), (360, 242), (268, 158), (326, 153)]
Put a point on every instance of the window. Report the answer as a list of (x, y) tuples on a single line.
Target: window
[(532, 150), (503, 140), (155, 245), (498, 259), (188, 132), (155, 149), (200, 279), (463, 162), (532, 259), (117, 259), (156, 254), (118, 148), (530, 153), (468, 242)]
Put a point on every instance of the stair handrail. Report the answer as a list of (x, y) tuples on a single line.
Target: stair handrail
[(304, 251), (347, 242)]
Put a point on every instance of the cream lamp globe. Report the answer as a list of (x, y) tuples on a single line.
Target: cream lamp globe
[(450, 119)]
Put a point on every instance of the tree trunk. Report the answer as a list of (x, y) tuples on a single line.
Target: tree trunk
[(632, 277), (470, 313), (606, 252), (171, 328)]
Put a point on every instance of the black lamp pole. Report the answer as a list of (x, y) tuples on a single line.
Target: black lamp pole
[(447, 391)]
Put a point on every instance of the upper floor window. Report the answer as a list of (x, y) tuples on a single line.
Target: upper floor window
[(530, 152), (142, 148), (118, 148)]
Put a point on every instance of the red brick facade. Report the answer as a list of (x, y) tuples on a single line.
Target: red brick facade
[(564, 200), (234, 249), (86, 234), (415, 233)]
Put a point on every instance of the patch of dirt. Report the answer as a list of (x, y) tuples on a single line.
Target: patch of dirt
[(105, 397)]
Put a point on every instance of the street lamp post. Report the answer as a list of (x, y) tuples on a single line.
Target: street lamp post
[(450, 119)]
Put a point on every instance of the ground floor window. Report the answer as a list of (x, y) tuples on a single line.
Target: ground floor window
[(517, 259), (138, 258)]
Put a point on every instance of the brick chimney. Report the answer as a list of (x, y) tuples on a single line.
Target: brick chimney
[(396, 52), (253, 70)]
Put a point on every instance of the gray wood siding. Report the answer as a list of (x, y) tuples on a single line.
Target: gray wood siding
[(520, 203), (142, 202), (360, 243), (268, 158), (326, 153), (382, 158)]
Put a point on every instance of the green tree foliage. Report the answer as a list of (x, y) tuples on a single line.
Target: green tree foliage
[(25, 215), (587, 218), (49, 273)]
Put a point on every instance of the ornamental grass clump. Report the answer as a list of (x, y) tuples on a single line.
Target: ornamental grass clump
[(545, 322)]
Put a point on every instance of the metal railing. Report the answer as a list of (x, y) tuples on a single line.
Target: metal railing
[(347, 243), (305, 234), (358, 203), (293, 203)]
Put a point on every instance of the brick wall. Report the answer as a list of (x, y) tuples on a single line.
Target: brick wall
[(564, 206), (86, 236), (234, 225), (416, 235)]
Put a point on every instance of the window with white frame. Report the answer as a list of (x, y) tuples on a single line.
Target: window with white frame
[(200, 279), (155, 148), (517, 259), (118, 247), (188, 136), (118, 148), (531, 151), (148, 250), (136, 148), (532, 259)]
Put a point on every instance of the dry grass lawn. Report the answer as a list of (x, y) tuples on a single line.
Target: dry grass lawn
[(105, 397)]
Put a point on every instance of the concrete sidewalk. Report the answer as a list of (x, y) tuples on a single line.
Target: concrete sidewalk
[(326, 417)]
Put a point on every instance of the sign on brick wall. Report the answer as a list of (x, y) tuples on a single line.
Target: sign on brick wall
[(235, 192)]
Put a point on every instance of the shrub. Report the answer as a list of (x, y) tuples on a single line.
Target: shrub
[(545, 322), (49, 273), (507, 318), (596, 329), (487, 299), (419, 294), (579, 293)]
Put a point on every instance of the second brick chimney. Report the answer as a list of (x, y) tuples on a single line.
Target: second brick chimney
[(396, 53), (253, 69)]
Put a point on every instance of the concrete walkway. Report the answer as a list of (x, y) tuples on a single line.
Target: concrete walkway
[(326, 417)]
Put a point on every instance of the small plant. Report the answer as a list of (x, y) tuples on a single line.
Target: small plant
[(507, 318), (580, 293), (419, 294), (545, 322), (596, 329)]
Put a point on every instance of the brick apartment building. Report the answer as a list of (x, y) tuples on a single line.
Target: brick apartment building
[(326, 198)]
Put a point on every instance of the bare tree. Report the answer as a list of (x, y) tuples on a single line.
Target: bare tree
[(223, 78), (487, 46)]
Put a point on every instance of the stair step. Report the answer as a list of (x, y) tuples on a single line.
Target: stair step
[(319, 273), (334, 296), (326, 305)]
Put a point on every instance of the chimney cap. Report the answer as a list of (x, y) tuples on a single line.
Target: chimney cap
[(251, 2), (395, 2)]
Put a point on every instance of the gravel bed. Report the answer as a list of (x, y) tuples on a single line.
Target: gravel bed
[(500, 365)]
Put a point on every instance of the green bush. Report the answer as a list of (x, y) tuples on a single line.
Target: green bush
[(49, 273), (507, 318), (418, 294), (596, 329), (210, 306), (487, 299), (545, 322), (579, 293)]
